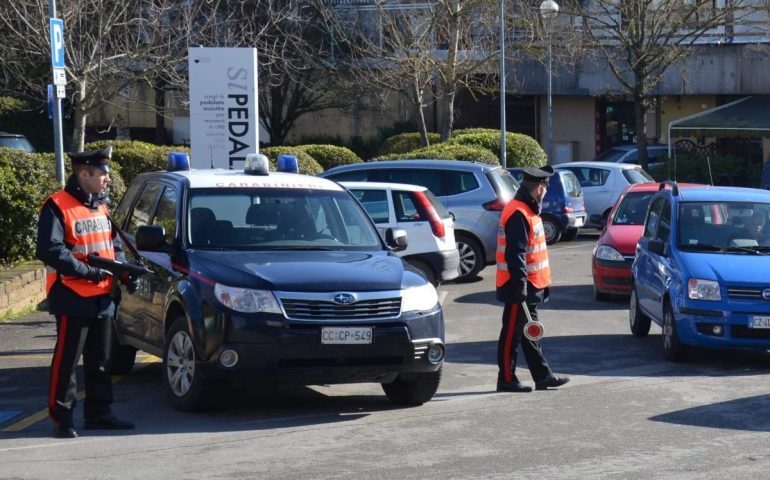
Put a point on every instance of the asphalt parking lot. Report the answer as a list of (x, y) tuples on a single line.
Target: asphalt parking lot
[(627, 413)]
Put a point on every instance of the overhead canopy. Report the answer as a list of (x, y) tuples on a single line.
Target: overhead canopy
[(747, 117)]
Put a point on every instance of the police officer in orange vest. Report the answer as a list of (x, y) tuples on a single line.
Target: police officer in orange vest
[(73, 223), (522, 280)]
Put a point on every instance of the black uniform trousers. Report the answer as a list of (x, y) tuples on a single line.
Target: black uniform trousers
[(92, 338), (511, 336)]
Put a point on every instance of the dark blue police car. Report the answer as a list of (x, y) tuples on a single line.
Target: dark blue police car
[(271, 277)]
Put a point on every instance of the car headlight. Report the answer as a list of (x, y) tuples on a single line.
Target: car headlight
[(698, 289), (245, 300), (419, 298), (605, 252)]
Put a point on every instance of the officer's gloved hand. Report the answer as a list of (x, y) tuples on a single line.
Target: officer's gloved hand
[(96, 275)]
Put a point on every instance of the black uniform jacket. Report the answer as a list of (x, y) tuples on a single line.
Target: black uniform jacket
[(52, 251), (518, 288)]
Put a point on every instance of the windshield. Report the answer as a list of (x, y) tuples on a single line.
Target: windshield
[(632, 209), (611, 155), (637, 175), (19, 143), (278, 219), (724, 225)]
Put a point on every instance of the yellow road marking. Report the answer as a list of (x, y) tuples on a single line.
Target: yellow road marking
[(42, 414)]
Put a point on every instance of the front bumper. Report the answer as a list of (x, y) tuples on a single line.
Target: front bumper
[(695, 326), (292, 352), (613, 277)]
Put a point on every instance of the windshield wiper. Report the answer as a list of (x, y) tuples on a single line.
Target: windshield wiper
[(702, 246), (753, 249)]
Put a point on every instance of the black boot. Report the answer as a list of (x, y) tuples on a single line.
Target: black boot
[(513, 387), (551, 382), (64, 430)]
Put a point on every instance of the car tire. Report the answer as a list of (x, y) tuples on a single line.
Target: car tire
[(637, 320), (552, 229), (425, 270), (122, 357), (673, 349), (600, 296), (413, 388), (182, 378), (569, 234), (471, 256)]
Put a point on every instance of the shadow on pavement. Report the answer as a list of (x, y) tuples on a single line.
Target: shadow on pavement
[(747, 414)]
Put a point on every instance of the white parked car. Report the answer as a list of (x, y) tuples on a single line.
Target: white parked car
[(602, 184), (429, 226)]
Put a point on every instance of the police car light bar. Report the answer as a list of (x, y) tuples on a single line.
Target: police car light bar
[(256, 164), (177, 161), (288, 163)]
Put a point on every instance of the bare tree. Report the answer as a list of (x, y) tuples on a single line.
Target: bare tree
[(641, 39)]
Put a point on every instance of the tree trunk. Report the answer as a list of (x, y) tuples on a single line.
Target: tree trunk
[(640, 113), (419, 103), (80, 116), (160, 107)]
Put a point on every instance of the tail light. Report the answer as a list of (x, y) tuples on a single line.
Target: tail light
[(568, 209), (435, 222), (495, 205)]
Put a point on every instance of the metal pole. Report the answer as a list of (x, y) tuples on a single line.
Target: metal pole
[(57, 123), (503, 149), (549, 150)]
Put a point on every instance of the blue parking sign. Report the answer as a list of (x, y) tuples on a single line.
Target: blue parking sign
[(57, 42)]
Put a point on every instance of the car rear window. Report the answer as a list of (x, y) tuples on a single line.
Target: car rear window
[(503, 183), (611, 155), (18, 143), (571, 184), (637, 175)]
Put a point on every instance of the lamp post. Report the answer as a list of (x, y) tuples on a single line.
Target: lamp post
[(503, 149), (549, 9)]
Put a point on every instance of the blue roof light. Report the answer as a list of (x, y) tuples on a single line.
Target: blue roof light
[(177, 161), (288, 163)]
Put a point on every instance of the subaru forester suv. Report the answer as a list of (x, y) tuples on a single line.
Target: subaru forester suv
[(702, 269), (475, 193), (271, 277)]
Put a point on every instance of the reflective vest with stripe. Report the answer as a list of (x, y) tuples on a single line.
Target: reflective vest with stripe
[(85, 231), (538, 270)]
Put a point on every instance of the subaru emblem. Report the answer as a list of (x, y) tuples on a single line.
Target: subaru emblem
[(766, 294), (344, 298)]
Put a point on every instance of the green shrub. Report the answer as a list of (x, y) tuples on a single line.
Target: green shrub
[(25, 182), (406, 142), (521, 150), (445, 151), (134, 157), (725, 170), (307, 164), (329, 156)]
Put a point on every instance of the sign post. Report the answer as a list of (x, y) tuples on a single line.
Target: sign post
[(56, 30)]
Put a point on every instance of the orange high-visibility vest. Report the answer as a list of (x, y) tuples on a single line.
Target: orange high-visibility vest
[(538, 269), (85, 231)]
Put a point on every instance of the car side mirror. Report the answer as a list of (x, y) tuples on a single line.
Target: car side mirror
[(657, 246), (396, 239), (151, 238)]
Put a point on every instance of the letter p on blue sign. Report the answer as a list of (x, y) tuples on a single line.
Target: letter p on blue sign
[(57, 42)]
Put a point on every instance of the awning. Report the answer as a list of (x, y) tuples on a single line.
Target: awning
[(747, 117)]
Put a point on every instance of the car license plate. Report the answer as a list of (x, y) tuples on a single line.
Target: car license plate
[(760, 322), (579, 221), (347, 335)]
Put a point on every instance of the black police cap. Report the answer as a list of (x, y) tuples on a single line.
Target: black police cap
[(99, 158), (537, 175)]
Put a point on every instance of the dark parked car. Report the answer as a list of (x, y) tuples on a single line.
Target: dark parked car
[(563, 211), (17, 141), (271, 277)]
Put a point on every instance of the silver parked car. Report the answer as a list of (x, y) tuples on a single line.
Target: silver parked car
[(475, 193)]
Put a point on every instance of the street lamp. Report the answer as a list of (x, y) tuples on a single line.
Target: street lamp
[(549, 10)]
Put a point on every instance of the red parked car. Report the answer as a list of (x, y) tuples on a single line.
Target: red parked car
[(614, 251)]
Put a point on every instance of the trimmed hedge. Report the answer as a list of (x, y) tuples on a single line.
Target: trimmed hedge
[(26, 180), (406, 142), (17, 116), (521, 150), (329, 156), (307, 164), (446, 151)]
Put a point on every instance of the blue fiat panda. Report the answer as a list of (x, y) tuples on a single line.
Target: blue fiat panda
[(271, 277), (702, 269)]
